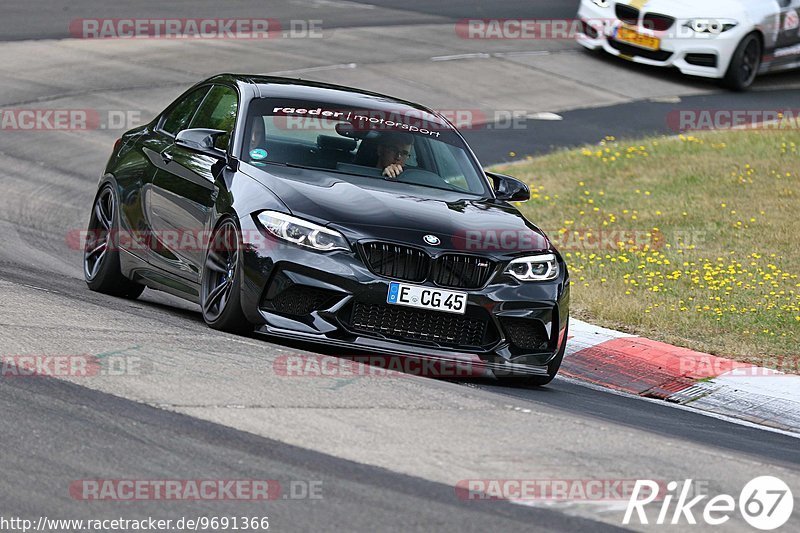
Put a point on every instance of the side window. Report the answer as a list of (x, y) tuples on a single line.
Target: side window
[(180, 115), (787, 31), (218, 112)]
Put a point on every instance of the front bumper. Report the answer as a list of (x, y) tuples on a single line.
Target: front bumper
[(332, 298), (707, 56)]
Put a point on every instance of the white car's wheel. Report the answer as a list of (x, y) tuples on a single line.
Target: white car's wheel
[(745, 64)]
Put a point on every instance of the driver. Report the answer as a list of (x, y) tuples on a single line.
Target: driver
[(393, 151), (258, 134)]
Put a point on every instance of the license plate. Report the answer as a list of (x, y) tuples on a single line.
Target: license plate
[(635, 38), (427, 298)]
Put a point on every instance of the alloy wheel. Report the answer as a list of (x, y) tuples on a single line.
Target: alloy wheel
[(220, 270), (99, 238)]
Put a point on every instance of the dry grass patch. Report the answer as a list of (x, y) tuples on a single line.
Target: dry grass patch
[(692, 240)]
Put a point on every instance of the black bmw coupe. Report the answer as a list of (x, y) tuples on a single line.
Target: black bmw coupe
[(334, 215)]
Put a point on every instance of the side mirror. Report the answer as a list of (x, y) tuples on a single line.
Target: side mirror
[(509, 189), (201, 140)]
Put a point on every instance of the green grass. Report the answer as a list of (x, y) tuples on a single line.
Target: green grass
[(700, 240)]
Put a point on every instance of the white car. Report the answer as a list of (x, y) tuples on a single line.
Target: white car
[(731, 40)]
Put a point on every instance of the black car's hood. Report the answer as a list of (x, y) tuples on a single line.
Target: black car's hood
[(366, 207)]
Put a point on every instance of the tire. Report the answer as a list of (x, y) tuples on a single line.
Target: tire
[(745, 64), (552, 369), (221, 281), (101, 266)]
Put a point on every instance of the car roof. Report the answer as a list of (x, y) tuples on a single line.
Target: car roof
[(294, 88)]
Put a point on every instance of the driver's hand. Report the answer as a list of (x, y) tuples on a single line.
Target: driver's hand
[(392, 171)]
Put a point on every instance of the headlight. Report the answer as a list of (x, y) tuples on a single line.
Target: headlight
[(713, 26), (534, 268), (602, 3), (302, 232)]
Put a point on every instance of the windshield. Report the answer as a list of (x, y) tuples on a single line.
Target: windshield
[(361, 142)]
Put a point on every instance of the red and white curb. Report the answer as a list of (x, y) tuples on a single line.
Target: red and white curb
[(701, 381)]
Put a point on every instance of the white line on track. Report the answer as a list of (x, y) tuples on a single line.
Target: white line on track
[(456, 57), (565, 506), (486, 55), (34, 287), (337, 4), (340, 66), (525, 53), (600, 388), (665, 100), (544, 116), (681, 407)]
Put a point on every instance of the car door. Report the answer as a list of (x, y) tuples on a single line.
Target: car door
[(176, 118), (184, 191)]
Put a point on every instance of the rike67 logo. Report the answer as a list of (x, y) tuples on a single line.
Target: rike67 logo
[(765, 503)]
